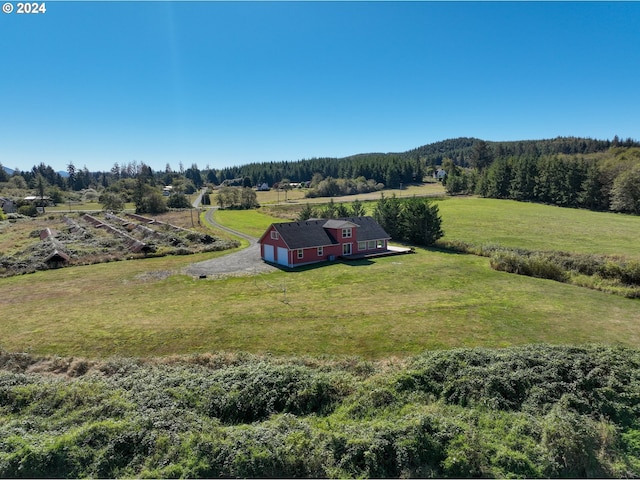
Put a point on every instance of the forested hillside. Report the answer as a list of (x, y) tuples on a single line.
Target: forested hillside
[(391, 169), (535, 411)]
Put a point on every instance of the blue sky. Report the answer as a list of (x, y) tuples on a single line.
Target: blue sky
[(228, 83)]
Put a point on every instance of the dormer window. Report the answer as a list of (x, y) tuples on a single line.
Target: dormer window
[(346, 233), (274, 235)]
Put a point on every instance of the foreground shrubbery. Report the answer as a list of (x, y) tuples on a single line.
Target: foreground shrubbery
[(535, 411)]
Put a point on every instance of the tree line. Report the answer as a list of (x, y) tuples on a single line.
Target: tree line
[(609, 181), (566, 171)]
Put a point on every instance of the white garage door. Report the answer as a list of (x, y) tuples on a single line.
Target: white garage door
[(268, 253), (283, 258)]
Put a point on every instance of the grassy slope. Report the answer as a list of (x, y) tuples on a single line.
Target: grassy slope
[(539, 227), (297, 196), (392, 306)]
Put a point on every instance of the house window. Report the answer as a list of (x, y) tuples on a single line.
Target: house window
[(380, 243), (362, 245), (346, 233), (371, 244), (346, 249), (274, 235), (300, 253), (320, 251)]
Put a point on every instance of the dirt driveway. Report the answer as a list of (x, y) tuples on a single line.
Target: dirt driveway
[(244, 262)]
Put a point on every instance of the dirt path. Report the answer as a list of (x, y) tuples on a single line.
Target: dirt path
[(245, 262)]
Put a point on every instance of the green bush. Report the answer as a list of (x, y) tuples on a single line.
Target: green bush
[(178, 200), (531, 265), (535, 411), (28, 210)]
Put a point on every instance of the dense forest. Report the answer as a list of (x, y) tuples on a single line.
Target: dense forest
[(534, 411), (607, 180)]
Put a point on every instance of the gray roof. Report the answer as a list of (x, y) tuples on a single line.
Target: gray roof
[(317, 233), (339, 223)]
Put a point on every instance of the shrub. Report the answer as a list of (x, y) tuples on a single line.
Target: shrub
[(152, 202), (254, 392), (111, 201), (534, 266), (178, 200), (28, 210)]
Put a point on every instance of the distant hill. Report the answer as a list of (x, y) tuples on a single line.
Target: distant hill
[(401, 166), (392, 169)]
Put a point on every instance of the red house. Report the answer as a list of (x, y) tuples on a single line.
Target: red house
[(292, 244)]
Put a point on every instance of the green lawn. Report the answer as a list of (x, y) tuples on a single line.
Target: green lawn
[(251, 222), (539, 227), (393, 306)]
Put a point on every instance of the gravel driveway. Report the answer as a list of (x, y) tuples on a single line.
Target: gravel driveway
[(245, 262)]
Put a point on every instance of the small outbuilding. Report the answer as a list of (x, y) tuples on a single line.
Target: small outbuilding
[(293, 244), (7, 205)]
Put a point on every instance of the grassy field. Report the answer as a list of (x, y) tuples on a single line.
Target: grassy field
[(251, 222), (393, 306), (539, 227), (298, 195), (488, 221)]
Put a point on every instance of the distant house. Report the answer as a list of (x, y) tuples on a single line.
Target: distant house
[(292, 244), (263, 188), (439, 174), (41, 201)]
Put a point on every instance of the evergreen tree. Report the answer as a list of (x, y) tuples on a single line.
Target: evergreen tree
[(481, 155), (591, 195), (392, 176), (4, 176), (341, 210), (71, 179), (523, 178), (212, 177), (306, 213), (357, 209), (387, 214), (420, 222), (498, 179)]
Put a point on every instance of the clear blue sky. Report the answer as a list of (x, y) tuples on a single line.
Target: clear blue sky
[(228, 83)]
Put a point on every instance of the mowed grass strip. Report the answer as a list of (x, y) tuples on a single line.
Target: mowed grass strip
[(251, 222), (392, 306)]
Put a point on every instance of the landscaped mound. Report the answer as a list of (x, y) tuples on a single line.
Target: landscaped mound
[(536, 411)]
